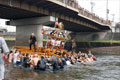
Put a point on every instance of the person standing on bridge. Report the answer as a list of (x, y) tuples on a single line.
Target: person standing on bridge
[(3, 53), (33, 41)]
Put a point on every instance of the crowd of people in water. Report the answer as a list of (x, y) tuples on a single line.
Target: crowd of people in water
[(39, 62)]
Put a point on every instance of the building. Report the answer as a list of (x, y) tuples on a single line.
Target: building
[(6, 28)]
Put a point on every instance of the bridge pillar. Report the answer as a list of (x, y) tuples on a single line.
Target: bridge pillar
[(25, 27), (23, 34)]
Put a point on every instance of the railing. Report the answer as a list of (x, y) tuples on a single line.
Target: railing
[(82, 11)]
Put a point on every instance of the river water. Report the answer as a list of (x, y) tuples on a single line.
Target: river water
[(107, 67)]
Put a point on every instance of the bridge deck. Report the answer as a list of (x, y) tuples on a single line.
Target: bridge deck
[(19, 9)]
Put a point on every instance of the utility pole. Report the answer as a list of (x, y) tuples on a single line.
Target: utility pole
[(107, 10), (92, 6), (119, 10)]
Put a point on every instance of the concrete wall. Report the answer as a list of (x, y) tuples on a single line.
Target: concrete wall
[(92, 36), (9, 35), (112, 36), (115, 50), (23, 34), (83, 36), (25, 27), (10, 44)]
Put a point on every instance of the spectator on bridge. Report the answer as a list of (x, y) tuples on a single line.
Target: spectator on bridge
[(33, 41)]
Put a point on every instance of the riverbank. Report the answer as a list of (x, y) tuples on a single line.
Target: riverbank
[(115, 50)]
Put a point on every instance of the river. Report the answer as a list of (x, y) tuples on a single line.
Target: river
[(107, 67)]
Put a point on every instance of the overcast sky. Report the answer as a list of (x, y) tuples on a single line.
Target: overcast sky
[(100, 7)]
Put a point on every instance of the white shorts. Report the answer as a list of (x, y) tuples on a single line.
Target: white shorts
[(2, 70)]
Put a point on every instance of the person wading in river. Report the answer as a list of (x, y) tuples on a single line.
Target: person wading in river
[(33, 41), (70, 46), (3, 49)]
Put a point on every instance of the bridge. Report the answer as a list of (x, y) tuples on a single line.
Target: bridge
[(30, 16)]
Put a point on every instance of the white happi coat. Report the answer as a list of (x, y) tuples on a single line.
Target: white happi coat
[(3, 46)]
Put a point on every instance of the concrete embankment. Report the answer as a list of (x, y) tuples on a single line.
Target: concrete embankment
[(96, 44), (115, 50), (10, 43)]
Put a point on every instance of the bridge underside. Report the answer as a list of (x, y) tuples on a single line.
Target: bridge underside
[(21, 9)]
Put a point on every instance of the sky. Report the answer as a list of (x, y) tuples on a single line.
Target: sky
[(100, 8)]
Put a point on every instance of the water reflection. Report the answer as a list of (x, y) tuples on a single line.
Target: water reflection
[(105, 68)]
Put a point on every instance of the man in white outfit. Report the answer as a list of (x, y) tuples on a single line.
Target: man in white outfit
[(4, 47), (2, 70)]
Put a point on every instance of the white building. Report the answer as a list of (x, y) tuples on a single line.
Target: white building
[(4, 26)]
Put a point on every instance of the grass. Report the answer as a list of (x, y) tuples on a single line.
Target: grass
[(107, 41), (102, 41), (10, 39), (99, 41)]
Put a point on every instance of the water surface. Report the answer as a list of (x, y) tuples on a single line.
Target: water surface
[(107, 67)]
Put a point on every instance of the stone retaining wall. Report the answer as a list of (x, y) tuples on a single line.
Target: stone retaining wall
[(107, 50)]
